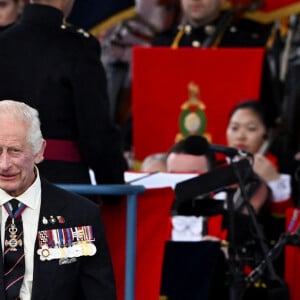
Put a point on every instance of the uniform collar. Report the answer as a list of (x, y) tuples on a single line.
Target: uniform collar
[(2, 28), (42, 14), (213, 23)]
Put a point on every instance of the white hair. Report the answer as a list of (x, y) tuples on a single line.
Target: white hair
[(153, 158), (30, 116)]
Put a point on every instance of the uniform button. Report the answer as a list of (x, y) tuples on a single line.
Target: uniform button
[(196, 44), (187, 29), (83, 32), (233, 29), (209, 29), (63, 26)]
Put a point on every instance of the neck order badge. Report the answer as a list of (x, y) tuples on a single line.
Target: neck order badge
[(14, 258)]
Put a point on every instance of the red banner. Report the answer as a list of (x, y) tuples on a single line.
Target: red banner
[(153, 230), (176, 89)]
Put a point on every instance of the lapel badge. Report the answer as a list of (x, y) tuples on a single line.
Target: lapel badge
[(61, 220), (44, 221), (52, 220)]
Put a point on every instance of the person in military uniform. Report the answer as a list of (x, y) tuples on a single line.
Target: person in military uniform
[(56, 68), (10, 11), (205, 24)]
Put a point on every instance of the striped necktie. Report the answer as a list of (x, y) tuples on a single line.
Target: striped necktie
[(14, 258)]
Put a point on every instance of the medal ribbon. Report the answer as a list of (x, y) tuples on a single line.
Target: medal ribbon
[(61, 238), (69, 236), (89, 233), (17, 213)]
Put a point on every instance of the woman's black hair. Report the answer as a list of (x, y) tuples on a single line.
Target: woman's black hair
[(255, 106)]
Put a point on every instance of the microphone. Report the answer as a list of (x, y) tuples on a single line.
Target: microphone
[(229, 151), (198, 145)]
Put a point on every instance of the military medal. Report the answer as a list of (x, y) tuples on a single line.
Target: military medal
[(90, 249), (64, 243), (69, 236), (70, 252), (52, 220), (13, 241), (90, 238), (61, 219), (77, 250), (93, 249), (56, 253), (82, 237), (43, 251)]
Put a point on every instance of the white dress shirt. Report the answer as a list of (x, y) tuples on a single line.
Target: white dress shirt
[(32, 199)]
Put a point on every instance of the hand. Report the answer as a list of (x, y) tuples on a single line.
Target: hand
[(265, 168)]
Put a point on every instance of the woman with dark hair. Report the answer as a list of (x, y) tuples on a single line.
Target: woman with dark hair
[(248, 130)]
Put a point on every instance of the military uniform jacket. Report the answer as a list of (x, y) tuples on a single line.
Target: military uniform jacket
[(56, 68), (79, 278), (244, 33)]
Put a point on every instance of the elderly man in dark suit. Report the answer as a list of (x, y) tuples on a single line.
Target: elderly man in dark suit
[(52, 242), (56, 68)]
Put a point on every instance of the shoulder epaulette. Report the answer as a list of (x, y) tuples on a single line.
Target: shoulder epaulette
[(72, 28)]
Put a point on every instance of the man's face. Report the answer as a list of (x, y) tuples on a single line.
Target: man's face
[(9, 11), (187, 163), (17, 159), (200, 11)]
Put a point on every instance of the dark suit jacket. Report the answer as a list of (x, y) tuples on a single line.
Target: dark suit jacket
[(90, 277), (56, 69)]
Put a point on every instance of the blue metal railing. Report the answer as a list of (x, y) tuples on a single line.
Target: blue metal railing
[(131, 193)]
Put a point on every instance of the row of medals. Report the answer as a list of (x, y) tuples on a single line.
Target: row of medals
[(81, 247)]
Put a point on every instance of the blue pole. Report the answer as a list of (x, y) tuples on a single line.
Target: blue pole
[(130, 247), (131, 208)]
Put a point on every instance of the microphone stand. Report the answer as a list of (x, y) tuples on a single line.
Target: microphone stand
[(234, 272), (239, 172), (272, 254), (265, 250)]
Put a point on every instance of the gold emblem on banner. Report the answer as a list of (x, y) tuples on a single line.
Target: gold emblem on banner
[(192, 119)]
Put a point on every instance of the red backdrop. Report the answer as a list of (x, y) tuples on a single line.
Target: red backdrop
[(153, 229), (160, 86)]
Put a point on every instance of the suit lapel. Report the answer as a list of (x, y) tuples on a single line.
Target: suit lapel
[(44, 271)]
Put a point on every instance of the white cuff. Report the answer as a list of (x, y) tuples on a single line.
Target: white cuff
[(281, 188)]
